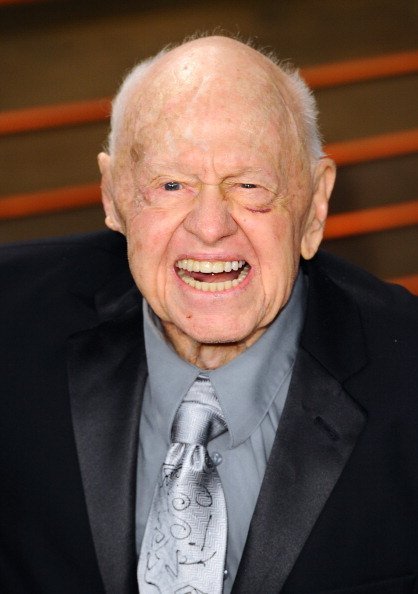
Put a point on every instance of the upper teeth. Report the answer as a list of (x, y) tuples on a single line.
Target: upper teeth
[(209, 267)]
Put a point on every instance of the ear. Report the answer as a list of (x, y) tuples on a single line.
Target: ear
[(324, 178), (112, 216)]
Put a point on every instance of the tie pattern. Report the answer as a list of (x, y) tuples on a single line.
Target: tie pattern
[(184, 545)]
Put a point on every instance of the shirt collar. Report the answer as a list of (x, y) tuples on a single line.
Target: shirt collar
[(245, 387)]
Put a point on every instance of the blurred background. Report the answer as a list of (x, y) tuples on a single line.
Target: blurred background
[(61, 61)]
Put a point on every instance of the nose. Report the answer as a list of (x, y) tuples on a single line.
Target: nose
[(210, 219)]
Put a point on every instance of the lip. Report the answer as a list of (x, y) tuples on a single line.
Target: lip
[(225, 292), (210, 257)]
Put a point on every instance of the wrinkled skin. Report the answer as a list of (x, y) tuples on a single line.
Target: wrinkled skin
[(209, 166)]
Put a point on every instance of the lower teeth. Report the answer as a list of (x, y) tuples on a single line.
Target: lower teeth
[(212, 287)]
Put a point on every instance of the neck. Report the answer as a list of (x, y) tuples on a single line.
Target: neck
[(206, 355)]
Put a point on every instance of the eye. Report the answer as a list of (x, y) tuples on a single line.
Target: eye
[(172, 186), (248, 186)]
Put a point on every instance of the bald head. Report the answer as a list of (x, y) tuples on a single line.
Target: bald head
[(209, 74)]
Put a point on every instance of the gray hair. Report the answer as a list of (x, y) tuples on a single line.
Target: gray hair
[(299, 90)]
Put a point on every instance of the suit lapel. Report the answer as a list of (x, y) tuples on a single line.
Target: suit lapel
[(317, 432), (316, 435), (107, 373)]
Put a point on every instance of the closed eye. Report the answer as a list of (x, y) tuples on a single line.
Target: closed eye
[(172, 186)]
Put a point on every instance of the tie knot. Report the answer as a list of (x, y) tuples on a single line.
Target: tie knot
[(199, 417)]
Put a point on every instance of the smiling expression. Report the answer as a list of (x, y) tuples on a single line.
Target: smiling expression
[(215, 196)]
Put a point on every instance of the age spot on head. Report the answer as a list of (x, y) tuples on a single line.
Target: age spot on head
[(134, 154)]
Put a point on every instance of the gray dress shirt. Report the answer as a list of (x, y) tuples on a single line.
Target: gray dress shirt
[(251, 390)]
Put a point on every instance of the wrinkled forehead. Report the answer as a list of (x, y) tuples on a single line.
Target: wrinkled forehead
[(204, 84), (195, 77)]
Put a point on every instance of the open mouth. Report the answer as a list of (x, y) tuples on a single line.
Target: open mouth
[(218, 275)]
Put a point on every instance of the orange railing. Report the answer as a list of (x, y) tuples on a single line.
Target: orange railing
[(72, 114), (352, 71), (55, 200), (371, 220), (371, 148), (53, 116)]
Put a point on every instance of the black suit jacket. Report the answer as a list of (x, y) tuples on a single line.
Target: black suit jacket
[(338, 507)]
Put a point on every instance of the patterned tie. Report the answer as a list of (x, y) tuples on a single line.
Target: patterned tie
[(184, 545)]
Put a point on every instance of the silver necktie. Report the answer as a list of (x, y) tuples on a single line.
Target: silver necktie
[(184, 545)]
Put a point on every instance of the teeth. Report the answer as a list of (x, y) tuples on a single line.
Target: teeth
[(212, 287), (209, 267)]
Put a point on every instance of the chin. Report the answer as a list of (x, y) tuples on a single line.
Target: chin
[(218, 334)]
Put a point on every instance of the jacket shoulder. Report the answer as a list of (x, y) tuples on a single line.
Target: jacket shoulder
[(369, 293), (43, 276), (87, 256), (56, 247), (348, 301)]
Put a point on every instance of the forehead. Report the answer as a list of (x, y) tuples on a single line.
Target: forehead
[(213, 115), (209, 82), (215, 137), (196, 71)]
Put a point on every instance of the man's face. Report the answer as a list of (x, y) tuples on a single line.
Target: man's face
[(213, 206), (215, 224)]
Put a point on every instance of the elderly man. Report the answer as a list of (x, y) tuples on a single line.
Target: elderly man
[(221, 411)]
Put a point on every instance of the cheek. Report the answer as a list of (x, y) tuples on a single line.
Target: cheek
[(289, 228), (280, 271), (146, 247), (275, 241), (272, 236), (149, 236), (148, 230)]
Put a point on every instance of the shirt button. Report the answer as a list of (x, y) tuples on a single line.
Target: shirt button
[(225, 574), (216, 458)]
